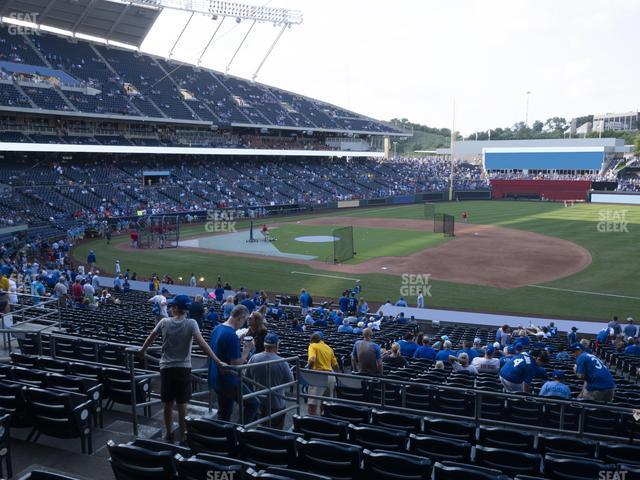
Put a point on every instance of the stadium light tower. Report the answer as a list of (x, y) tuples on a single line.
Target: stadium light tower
[(526, 115), (218, 9), (453, 151)]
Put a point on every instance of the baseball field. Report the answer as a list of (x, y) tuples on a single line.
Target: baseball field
[(515, 257)]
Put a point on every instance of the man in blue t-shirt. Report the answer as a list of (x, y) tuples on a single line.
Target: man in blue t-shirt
[(305, 301), (343, 302), (345, 327), (444, 354), (226, 345), (219, 293), (401, 302), (37, 290), (353, 304), (598, 381), (466, 348), (425, 351), (630, 330), (555, 387), (572, 336), (518, 372), (602, 337), (407, 346), (633, 348)]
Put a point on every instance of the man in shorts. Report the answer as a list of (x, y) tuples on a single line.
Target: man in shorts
[(320, 358), (175, 363)]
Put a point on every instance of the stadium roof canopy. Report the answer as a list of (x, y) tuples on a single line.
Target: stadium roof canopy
[(112, 20)]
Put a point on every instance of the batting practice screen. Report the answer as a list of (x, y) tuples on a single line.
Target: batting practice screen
[(343, 244), (429, 210), (443, 223)]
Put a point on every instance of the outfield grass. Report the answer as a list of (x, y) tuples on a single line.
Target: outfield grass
[(614, 270), (370, 242)]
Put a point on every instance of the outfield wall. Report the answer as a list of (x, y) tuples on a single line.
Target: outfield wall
[(541, 189)]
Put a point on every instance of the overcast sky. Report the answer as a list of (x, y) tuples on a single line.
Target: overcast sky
[(411, 59)]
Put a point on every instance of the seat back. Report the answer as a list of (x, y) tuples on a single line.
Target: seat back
[(510, 462), (440, 449), (462, 471), (385, 465), (340, 461), (267, 448), (55, 414), (561, 445), (348, 413), (451, 429), (377, 438), (505, 438), (13, 399), (53, 365), (619, 453), (206, 435), (20, 360), (292, 474), (195, 468), (42, 475), (399, 421), (572, 468), (158, 446), (320, 427), (135, 463)]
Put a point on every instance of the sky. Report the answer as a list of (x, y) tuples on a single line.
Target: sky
[(414, 59)]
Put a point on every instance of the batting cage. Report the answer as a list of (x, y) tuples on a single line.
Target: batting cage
[(429, 210), (159, 231), (343, 248), (443, 223)]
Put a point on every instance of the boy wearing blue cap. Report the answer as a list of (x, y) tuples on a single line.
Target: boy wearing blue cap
[(175, 363), (555, 387)]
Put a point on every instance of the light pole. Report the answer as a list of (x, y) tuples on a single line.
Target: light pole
[(526, 117), (395, 144)]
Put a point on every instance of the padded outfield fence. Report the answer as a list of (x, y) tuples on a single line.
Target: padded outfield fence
[(343, 248), (443, 223)]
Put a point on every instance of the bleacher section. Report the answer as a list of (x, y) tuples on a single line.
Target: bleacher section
[(98, 80), (415, 422)]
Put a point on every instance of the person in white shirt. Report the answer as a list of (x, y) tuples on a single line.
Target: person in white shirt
[(13, 290), (81, 270), (117, 267), (160, 305), (420, 299), (193, 282), (487, 363), (461, 362)]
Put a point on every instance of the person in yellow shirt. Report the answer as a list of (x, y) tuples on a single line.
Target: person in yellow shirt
[(5, 286), (321, 358)]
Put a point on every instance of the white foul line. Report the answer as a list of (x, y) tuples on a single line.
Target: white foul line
[(328, 276), (585, 292)]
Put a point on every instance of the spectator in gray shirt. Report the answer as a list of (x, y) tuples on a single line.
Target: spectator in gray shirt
[(271, 375), (175, 363)]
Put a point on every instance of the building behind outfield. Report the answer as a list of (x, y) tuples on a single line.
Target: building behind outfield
[(545, 156)]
